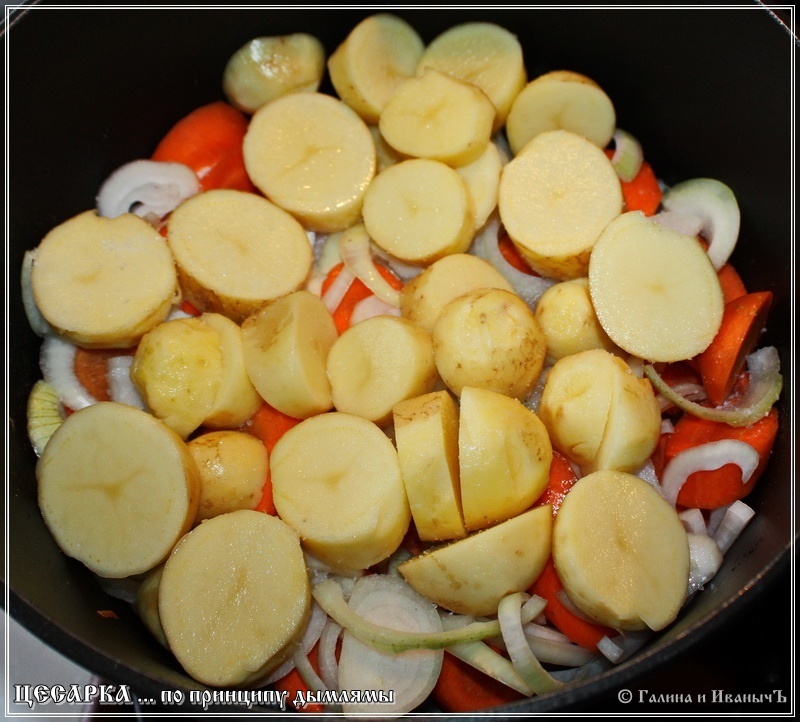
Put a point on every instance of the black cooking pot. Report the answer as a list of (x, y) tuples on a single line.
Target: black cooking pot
[(708, 92)]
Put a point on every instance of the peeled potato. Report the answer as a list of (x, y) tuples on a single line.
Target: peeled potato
[(336, 481), (117, 489), (232, 467), (234, 598), (377, 363), (621, 552), (489, 338), (472, 575)]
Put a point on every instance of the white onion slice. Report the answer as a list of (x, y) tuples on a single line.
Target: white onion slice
[(370, 307), (686, 223), (354, 246), (120, 386), (627, 157), (735, 519), (715, 204), (36, 321), (693, 521), (647, 472), (551, 647), (337, 290), (622, 646), (146, 188), (412, 674), (705, 559), (485, 659), (485, 245), (316, 623), (707, 457), (667, 427), (509, 613), (328, 661), (571, 607), (57, 361)]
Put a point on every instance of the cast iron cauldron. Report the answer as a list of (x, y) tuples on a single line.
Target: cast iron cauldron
[(708, 93)]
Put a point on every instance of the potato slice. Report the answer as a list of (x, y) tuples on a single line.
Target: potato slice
[(561, 100), (235, 251), (286, 345), (437, 116), (117, 489), (377, 363), (655, 290), (267, 67), (234, 598), (621, 552), (419, 211), (232, 467), (555, 198), (426, 435), (336, 480), (313, 156), (482, 178), (103, 282), (504, 457), (424, 296), (177, 369), (489, 338), (472, 575), (378, 54), (485, 55)]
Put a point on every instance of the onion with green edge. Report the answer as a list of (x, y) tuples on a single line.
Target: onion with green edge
[(765, 386), (45, 415), (354, 245), (627, 157), (714, 203)]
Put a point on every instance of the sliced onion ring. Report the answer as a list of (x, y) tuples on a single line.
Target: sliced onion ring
[(735, 519), (354, 245), (509, 613), (705, 559), (485, 245), (36, 320), (316, 623), (57, 361), (707, 457), (335, 293), (765, 386), (146, 188), (627, 157)]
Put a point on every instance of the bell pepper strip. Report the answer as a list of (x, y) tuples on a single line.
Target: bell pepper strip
[(561, 480), (269, 425), (209, 141), (743, 320), (720, 487), (643, 193), (357, 292), (580, 631), (462, 688), (293, 685)]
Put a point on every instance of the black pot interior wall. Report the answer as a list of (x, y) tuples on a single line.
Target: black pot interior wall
[(706, 91)]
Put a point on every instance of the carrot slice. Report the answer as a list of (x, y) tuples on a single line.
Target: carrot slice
[(723, 486), (358, 291), (731, 283), (269, 425), (293, 683), (643, 193), (561, 480), (586, 634), (462, 688), (743, 320), (91, 369), (512, 255), (209, 140)]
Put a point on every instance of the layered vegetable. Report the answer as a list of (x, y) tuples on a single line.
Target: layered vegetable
[(428, 389)]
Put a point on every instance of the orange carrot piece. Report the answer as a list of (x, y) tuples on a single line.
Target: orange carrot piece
[(269, 425), (731, 283), (512, 255), (642, 193), (91, 369), (743, 320), (189, 308), (358, 291), (562, 478), (586, 634), (462, 688), (723, 486), (209, 140), (293, 683)]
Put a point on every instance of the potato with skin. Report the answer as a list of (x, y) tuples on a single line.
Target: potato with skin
[(286, 345), (566, 316), (426, 436), (234, 598), (378, 363), (233, 467), (489, 338), (336, 480), (599, 413), (424, 296), (504, 456), (472, 575)]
